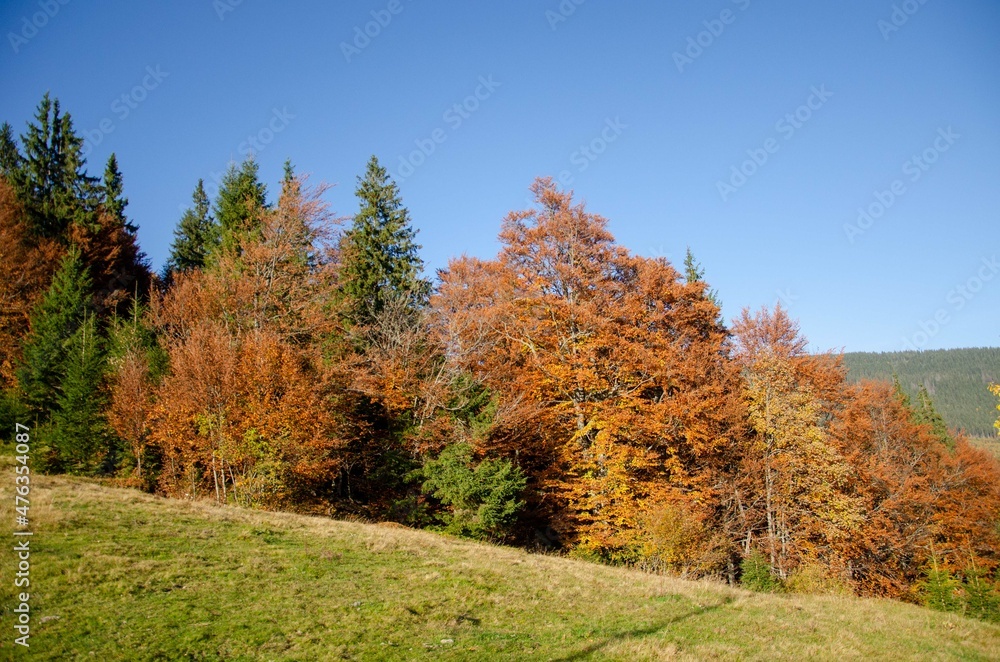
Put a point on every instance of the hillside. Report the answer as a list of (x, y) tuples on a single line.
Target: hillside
[(955, 378), (118, 574)]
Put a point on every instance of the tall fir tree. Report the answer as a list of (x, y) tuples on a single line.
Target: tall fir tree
[(54, 322), (695, 273), (379, 254), (241, 201), (78, 434), (10, 156), (114, 194), (195, 236), (925, 413), (52, 181)]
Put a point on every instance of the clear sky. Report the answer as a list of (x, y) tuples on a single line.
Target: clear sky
[(752, 131)]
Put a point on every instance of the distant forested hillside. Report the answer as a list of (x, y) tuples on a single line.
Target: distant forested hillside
[(956, 379)]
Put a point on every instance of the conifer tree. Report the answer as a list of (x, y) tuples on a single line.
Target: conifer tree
[(238, 207), (114, 195), (379, 259), (925, 413), (695, 273), (195, 236), (79, 437), (54, 323), (10, 156), (52, 182)]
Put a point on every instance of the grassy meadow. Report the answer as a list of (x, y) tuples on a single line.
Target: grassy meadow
[(117, 574)]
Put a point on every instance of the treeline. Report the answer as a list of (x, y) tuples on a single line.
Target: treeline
[(957, 379), (566, 393)]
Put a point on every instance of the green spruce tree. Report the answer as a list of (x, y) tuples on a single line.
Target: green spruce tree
[(78, 435), (925, 413), (695, 273), (379, 254), (240, 203), (56, 319), (52, 182), (113, 193), (10, 156), (195, 236)]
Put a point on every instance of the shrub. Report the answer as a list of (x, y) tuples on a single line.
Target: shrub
[(483, 500), (756, 575)]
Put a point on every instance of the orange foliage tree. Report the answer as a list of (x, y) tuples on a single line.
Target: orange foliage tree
[(793, 493), (920, 500), (27, 263), (611, 371), (247, 412)]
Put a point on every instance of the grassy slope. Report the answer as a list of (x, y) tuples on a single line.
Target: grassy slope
[(117, 574)]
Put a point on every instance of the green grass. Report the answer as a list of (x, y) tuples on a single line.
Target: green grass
[(121, 575)]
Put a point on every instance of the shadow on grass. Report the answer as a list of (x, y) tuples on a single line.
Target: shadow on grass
[(641, 632)]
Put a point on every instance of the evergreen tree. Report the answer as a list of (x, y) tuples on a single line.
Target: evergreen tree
[(114, 196), (695, 273), (10, 156), (52, 182), (379, 252), (78, 435), (238, 207), (54, 322), (925, 413), (195, 236)]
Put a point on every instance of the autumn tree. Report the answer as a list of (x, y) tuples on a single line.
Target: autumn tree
[(794, 494), (136, 363), (921, 503), (614, 392), (249, 410)]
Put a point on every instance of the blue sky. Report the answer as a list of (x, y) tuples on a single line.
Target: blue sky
[(752, 131)]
